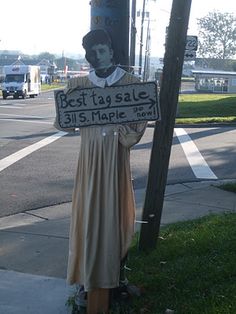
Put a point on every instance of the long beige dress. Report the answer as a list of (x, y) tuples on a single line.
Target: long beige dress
[(103, 209)]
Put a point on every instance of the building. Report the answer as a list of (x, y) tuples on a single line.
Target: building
[(47, 70), (215, 81)]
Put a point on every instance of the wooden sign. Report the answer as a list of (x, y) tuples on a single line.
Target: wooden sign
[(109, 105)]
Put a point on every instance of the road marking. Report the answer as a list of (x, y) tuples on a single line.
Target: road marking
[(13, 104), (10, 107), (11, 159), (27, 121), (23, 116), (22, 105), (196, 161)]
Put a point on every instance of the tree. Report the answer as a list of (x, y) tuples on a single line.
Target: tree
[(217, 35), (233, 63), (47, 56)]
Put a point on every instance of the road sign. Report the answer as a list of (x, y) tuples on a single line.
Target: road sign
[(189, 55), (191, 43)]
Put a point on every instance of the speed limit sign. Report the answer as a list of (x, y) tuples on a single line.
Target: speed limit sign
[(191, 43)]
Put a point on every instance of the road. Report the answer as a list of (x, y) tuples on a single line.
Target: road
[(38, 163)]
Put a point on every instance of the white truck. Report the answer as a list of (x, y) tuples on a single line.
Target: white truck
[(21, 81)]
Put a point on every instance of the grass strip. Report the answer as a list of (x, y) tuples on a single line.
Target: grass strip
[(206, 108), (231, 187), (47, 87), (191, 271)]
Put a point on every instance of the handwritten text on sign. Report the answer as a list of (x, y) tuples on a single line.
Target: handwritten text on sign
[(109, 105)]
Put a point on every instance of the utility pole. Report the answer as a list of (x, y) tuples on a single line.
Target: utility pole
[(146, 67), (163, 133), (141, 40), (133, 33)]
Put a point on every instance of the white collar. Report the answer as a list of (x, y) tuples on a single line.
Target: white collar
[(106, 81)]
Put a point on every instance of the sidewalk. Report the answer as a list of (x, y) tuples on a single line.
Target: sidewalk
[(34, 245)]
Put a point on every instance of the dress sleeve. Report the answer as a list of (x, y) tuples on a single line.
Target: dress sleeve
[(130, 134)]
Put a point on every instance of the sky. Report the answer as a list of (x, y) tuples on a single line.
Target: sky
[(57, 27)]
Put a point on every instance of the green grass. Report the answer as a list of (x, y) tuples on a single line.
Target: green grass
[(187, 79), (192, 270), (231, 187), (206, 108), (46, 87)]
